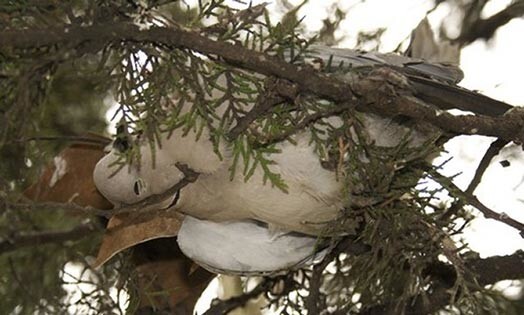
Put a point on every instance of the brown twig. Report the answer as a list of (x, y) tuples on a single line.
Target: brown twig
[(84, 139), (307, 121), (138, 208), (348, 245), (223, 307), (491, 152), (69, 206), (190, 176), (265, 101)]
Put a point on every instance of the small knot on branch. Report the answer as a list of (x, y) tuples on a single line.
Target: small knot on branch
[(516, 114)]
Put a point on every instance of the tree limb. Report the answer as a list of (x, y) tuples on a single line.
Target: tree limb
[(104, 33), (394, 101)]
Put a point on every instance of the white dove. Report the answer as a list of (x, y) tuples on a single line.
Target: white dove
[(239, 227)]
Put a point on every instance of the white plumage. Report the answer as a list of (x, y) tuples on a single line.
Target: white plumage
[(244, 247), (315, 195)]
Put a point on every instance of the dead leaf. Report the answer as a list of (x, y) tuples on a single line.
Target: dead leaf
[(126, 230), (69, 178)]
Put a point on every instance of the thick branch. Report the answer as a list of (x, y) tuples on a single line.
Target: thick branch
[(485, 271), (497, 268), (388, 98), (388, 102), (308, 79)]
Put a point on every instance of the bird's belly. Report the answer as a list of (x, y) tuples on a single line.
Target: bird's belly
[(314, 195)]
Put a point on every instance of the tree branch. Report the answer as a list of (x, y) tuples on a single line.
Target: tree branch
[(139, 208), (485, 28), (36, 238), (224, 307), (473, 200), (392, 101), (274, 94), (485, 271), (492, 151), (308, 79)]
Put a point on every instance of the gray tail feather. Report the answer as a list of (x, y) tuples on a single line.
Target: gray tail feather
[(447, 96)]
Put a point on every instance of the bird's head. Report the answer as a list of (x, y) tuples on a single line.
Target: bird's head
[(124, 184)]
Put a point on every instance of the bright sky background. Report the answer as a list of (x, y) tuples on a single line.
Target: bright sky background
[(493, 68)]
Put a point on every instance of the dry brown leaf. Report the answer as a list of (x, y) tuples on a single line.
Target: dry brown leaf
[(126, 230), (69, 178), (168, 282)]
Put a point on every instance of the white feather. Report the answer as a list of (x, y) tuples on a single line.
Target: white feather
[(243, 247)]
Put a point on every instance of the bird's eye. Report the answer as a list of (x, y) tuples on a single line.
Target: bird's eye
[(139, 187), (136, 188), (177, 196)]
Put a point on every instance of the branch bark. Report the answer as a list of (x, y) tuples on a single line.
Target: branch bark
[(101, 34), (224, 307), (399, 100)]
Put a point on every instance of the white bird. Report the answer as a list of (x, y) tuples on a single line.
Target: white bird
[(225, 214)]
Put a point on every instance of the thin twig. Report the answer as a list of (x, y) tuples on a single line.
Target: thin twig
[(491, 152), (139, 208), (265, 101), (223, 307), (473, 200), (94, 140), (36, 238), (190, 176)]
